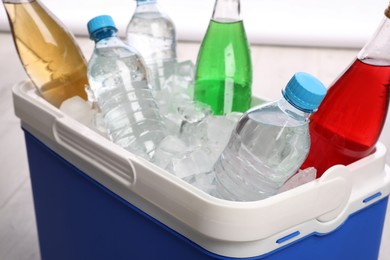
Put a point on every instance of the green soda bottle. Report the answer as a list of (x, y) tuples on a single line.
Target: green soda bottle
[(223, 75)]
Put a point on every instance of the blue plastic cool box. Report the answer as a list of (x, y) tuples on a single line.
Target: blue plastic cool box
[(94, 200)]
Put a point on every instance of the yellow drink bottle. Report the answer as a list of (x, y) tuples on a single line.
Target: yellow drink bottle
[(47, 50)]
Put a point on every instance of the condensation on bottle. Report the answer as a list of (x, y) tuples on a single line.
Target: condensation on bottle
[(118, 79), (269, 143), (153, 34)]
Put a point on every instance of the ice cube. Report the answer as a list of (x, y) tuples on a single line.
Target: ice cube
[(168, 148), (90, 95), (97, 124), (163, 98), (190, 91), (201, 156), (79, 109), (219, 130), (185, 70), (203, 181), (182, 77), (300, 178), (177, 88), (193, 112), (190, 163), (234, 116), (173, 123), (169, 68), (172, 95), (182, 166), (193, 129)]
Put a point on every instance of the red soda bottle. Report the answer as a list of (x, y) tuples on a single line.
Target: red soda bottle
[(350, 119)]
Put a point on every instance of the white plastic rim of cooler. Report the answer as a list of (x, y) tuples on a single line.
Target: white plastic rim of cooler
[(223, 227)]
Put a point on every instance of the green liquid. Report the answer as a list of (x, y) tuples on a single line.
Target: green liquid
[(224, 72)]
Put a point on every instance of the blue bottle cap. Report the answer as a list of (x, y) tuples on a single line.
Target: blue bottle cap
[(99, 22), (305, 92), (140, 2)]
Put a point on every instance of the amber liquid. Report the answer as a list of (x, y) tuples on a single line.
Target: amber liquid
[(351, 117), (48, 52)]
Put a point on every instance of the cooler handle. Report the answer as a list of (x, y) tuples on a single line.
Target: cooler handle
[(95, 149)]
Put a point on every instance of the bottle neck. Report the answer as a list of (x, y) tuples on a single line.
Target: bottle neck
[(376, 51), (293, 111), (147, 7), (146, 2), (226, 11), (104, 33)]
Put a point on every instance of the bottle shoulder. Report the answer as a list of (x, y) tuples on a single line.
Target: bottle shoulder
[(115, 48), (108, 59), (376, 51), (279, 113), (151, 22), (152, 14), (150, 8), (109, 42)]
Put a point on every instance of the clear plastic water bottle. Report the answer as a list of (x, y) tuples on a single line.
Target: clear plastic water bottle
[(269, 143), (117, 77), (153, 34)]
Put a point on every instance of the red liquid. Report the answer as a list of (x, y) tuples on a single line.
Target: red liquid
[(351, 117)]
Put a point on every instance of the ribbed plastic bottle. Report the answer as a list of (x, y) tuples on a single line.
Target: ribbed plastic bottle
[(117, 77), (153, 34), (352, 116), (223, 77), (269, 143), (48, 51)]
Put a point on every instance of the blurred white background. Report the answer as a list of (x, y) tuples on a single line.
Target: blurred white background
[(332, 23)]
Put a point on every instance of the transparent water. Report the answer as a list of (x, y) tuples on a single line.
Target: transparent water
[(118, 80), (264, 150), (153, 35)]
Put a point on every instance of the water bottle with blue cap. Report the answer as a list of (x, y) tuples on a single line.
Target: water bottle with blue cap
[(269, 143), (118, 80)]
